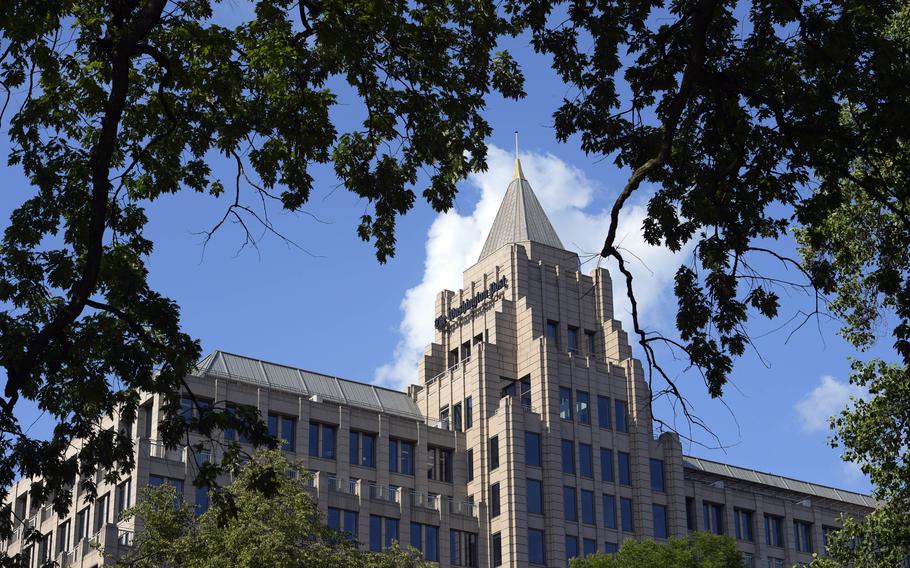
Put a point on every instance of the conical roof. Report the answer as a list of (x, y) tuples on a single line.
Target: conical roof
[(520, 218)]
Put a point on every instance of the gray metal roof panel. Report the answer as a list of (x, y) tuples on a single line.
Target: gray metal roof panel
[(359, 393), (282, 377), (398, 403), (322, 385), (245, 368)]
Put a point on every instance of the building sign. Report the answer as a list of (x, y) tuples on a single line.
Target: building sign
[(469, 305)]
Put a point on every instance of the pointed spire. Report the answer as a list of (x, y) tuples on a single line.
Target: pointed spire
[(520, 217)]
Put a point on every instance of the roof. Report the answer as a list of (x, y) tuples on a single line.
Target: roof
[(778, 481), (307, 383), (520, 218)]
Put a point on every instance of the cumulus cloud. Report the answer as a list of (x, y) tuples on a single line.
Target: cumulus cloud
[(824, 401), (455, 239)]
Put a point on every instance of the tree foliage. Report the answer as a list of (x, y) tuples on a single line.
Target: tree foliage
[(282, 529), (701, 550), (113, 104)]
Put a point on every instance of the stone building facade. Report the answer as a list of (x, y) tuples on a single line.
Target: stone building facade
[(526, 440)]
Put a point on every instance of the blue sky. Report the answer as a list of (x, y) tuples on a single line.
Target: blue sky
[(334, 309)]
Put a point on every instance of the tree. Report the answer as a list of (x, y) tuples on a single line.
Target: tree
[(114, 104), (702, 550), (244, 528)]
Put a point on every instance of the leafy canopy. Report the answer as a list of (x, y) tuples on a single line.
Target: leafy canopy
[(113, 104), (283, 528), (701, 550)]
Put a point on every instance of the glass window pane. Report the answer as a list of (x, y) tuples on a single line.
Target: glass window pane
[(533, 454), (582, 403), (569, 505), (606, 464), (603, 412), (586, 460), (568, 456), (622, 417), (535, 496), (609, 503), (536, 547), (625, 512), (587, 507), (565, 403), (657, 475), (625, 468), (660, 520)]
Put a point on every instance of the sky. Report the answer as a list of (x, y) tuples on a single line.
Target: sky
[(330, 307)]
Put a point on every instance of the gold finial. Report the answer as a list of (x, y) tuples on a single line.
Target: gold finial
[(518, 173)]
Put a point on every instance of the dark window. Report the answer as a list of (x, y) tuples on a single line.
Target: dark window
[(606, 465), (586, 460), (326, 435), (468, 413), (431, 535), (124, 497), (284, 428), (588, 546), (496, 549), (713, 517), (535, 496), (63, 536), (462, 548), (525, 387), (202, 500), (553, 332), (536, 554), (774, 531), (587, 507), (494, 452), (565, 403), (362, 449), (573, 339), (802, 536), (375, 533), (690, 513), (470, 464), (609, 502), (742, 522), (465, 350), (660, 520), (440, 464), (314, 439), (391, 531), (401, 454), (571, 548), (603, 412), (591, 342), (622, 416), (417, 536), (657, 475), (569, 503), (610, 548), (533, 454), (625, 512), (582, 407), (568, 456), (494, 500), (456, 417), (453, 357), (350, 524), (625, 468)]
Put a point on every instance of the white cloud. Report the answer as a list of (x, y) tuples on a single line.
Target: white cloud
[(852, 474), (824, 401), (455, 239)]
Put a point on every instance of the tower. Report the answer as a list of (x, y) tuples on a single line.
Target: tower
[(529, 361)]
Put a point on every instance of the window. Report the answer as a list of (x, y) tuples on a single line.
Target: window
[(468, 413), (417, 536), (774, 531), (431, 538), (586, 460), (802, 536), (657, 475), (375, 533), (193, 411), (525, 387), (573, 339), (284, 428), (202, 500), (622, 416), (401, 456), (625, 468), (81, 528), (625, 513), (610, 548), (124, 497), (444, 417), (582, 407), (63, 537), (826, 534), (362, 449), (565, 403), (230, 434), (591, 342), (469, 458), (533, 455), (496, 549), (553, 332), (536, 554), (690, 513), (322, 440), (535, 496), (494, 452), (44, 549), (775, 563), (568, 456), (714, 517), (494, 500), (456, 416), (569, 505), (609, 511), (742, 523), (453, 357), (465, 350), (391, 531), (588, 546), (748, 560), (603, 412), (587, 507), (659, 512), (571, 548), (440, 464), (606, 464), (462, 548)]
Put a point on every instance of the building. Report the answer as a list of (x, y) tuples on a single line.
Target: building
[(527, 440)]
